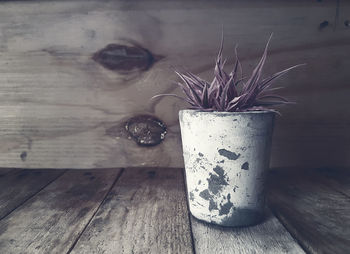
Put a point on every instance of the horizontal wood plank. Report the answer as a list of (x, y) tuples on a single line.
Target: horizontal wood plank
[(51, 221), (63, 107), (315, 214), (17, 186), (145, 212), (268, 237)]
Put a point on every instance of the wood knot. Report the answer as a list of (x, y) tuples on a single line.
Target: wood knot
[(146, 130), (23, 156), (124, 58)]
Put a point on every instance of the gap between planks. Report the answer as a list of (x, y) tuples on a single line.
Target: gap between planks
[(145, 212), (93, 215), (20, 185), (189, 213), (51, 221)]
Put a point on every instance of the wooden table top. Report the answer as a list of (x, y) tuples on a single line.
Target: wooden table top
[(144, 210)]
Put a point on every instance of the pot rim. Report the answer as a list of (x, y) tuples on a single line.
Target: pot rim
[(227, 113)]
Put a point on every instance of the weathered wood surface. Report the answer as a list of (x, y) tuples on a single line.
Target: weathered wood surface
[(314, 213), (268, 237), (63, 105), (336, 178), (4, 171), (17, 186), (145, 212), (51, 221)]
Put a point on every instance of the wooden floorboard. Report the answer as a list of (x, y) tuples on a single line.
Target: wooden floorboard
[(316, 214), (4, 171), (17, 186), (338, 179), (145, 212), (52, 220), (268, 237)]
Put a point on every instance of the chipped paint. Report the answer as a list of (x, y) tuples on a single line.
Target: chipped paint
[(245, 166), (191, 196), (228, 154), (225, 208), (212, 205), (205, 195), (216, 181)]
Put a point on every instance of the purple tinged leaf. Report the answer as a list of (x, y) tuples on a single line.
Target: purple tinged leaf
[(193, 92), (205, 96), (218, 93), (270, 103), (238, 61), (272, 96), (262, 109), (195, 84), (223, 98), (188, 94), (195, 80), (166, 94), (272, 89), (233, 103), (252, 81), (219, 72), (267, 82), (173, 95), (211, 97), (217, 106), (237, 64), (225, 94)]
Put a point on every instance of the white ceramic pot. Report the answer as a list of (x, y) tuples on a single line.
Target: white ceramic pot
[(226, 156)]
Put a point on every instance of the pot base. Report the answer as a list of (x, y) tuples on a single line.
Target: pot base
[(240, 218)]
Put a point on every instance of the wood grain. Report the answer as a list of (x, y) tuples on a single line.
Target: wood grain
[(51, 221), (58, 105), (145, 212), (336, 178), (4, 171), (17, 186), (315, 214), (268, 237)]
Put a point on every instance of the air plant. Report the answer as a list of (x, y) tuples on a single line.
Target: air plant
[(229, 92)]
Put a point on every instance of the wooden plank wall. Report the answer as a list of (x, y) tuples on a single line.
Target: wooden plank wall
[(73, 73)]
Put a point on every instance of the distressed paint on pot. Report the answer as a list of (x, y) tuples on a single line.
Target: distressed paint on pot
[(226, 155)]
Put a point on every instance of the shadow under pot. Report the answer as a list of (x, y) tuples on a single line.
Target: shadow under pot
[(226, 157)]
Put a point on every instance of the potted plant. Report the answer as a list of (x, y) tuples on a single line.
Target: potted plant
[(226, 139)]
